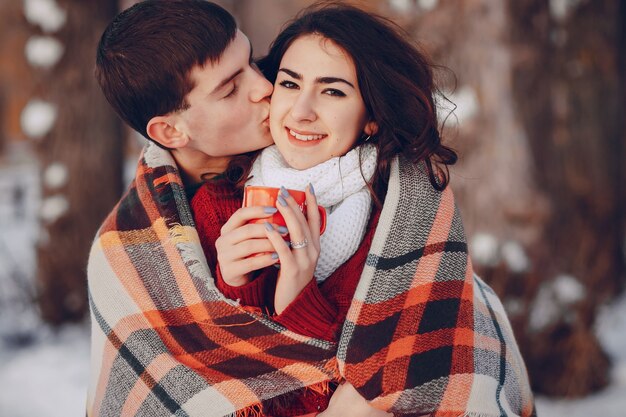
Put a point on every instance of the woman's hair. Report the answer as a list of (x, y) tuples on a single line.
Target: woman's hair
[(396, 83)]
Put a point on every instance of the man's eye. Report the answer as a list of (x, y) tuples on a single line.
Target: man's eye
[(288, 84), (334, 92), (232, 92)]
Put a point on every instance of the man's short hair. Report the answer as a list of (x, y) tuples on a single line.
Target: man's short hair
[(146, 55)]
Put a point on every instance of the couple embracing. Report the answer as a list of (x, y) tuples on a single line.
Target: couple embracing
[(351, 293)]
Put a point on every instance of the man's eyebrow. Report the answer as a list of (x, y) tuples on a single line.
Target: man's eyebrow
[(226, 80), (233, 75), (319, 80)]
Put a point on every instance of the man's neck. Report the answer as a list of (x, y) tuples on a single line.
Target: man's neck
[(196, 166)]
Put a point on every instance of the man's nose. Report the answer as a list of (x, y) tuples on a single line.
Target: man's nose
[(262, 88)]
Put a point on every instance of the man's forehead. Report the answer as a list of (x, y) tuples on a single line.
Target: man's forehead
[(219, 73)]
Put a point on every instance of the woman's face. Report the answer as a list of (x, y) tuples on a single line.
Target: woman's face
[(317, 111)]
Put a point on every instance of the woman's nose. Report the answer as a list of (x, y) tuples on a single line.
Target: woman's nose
[(303, 108)]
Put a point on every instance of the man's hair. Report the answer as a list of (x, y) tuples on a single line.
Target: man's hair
[(146, 55)]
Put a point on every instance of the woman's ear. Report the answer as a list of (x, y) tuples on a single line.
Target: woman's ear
[(162, 130), (371, 128)]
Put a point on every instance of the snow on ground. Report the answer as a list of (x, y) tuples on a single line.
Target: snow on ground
[(47, 378), (610, 402), (44, 372)]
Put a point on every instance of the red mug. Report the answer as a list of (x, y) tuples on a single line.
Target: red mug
[(257, 195)]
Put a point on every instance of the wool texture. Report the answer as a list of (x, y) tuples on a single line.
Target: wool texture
[(340, 187), (423, 335)]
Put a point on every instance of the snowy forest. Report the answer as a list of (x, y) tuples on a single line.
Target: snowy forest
[(534, 97)]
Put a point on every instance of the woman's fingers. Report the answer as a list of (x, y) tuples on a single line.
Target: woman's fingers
[(244, 215), (294, 218), (244, 249), (245, 266), (291, 279), (243, 233), (313, 215)]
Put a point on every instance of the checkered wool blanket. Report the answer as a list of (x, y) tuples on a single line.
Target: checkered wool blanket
[(424, 335)]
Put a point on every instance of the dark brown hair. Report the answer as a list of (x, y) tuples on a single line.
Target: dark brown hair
[(146, 54), (395, 79)]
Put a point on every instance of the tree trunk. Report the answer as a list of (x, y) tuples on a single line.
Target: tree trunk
[(86, 141), (569, 92), (540, 93)]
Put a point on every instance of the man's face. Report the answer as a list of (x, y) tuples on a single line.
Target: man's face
[(229, 105)]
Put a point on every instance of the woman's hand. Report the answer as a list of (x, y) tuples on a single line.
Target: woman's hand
[(297, 263), (347, 402), (239, 240)]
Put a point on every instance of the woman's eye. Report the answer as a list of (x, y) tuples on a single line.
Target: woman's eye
[(288, 84), (334, 92)]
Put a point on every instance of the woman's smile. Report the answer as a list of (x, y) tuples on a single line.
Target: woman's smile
[(302, 138)]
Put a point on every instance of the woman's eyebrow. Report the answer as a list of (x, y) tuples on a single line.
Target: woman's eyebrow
[(330, 80), (318, 80)]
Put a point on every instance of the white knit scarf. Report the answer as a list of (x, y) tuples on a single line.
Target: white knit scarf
[(339, 185)]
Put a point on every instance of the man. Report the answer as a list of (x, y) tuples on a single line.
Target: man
[(186, 82)]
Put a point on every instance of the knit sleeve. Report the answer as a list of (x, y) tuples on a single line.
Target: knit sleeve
[(310, 314), (259, 292)]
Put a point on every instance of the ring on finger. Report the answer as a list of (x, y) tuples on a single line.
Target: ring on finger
[(299, 245)]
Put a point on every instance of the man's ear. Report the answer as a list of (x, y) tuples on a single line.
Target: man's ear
[(162, 130), (371, 128)]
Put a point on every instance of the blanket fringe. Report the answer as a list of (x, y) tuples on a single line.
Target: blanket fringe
[(278, 405), (465, 414), (255, 410)]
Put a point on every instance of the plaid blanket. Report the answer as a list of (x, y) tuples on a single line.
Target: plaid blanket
[(424, 335)]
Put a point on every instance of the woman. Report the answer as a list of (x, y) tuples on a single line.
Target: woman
[(422, 334)]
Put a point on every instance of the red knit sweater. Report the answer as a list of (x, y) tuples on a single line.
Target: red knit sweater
[(318, 311)]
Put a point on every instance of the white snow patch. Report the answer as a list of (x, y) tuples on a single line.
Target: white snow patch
[(401, 6), (48, 378), (37, 118), (43, 51), (554, 300), (484, 249), (45, 13), (53, 207), (55, 175), (560, 9), (466, 102), (544, 310), (427, 5), (568, 290), (515, 257)]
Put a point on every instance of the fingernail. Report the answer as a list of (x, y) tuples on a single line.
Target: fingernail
[(282, 201), (284, 192), (269, 227), (311, 189), (282, 230), (274, 255), (270, 210)]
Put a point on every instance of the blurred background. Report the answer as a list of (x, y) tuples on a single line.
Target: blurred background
[(539, 94)]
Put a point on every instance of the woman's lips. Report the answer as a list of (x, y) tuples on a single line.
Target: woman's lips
[(300, 138)]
